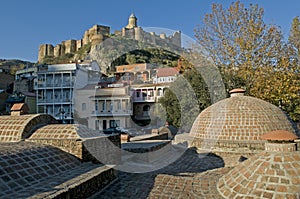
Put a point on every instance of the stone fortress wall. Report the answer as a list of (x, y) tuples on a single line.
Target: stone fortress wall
[(98, 33), (95, 35)]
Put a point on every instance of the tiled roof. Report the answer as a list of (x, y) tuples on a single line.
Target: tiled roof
[(279, 135), (237, 90), (267, 175), (167, 72), (17, 107)]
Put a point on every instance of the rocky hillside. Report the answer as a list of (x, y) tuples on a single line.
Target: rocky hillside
[(10, 66), (122, 51)]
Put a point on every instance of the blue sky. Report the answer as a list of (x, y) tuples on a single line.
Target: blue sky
[(27, 24)]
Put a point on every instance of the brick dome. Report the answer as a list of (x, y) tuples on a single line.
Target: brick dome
[(29, 168), (71, 138), (16, 128), (64, 131), (267, 175), (238, 122)]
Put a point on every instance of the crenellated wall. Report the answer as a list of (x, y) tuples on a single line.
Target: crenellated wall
[(98, 33)]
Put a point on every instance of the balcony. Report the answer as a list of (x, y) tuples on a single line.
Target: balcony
[(144, 99), (54, 101), (111, 113)]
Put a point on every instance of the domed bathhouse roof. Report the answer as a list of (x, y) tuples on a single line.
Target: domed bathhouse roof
[(64, 131), (274, 173), (78, 140), (236, 124), (16, 128), (39, 159)]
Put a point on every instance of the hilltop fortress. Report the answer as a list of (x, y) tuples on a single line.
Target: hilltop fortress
[(98, 33)]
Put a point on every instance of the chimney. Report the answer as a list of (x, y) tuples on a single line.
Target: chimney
[(237, 92), (280, 141), (19, 109)]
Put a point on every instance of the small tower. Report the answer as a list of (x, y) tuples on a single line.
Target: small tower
[(132, 22)]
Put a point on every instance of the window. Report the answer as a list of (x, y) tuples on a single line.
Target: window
[(67, 96), (96, 105), (119, 105), (104, 124), (146, 110), (83, 106), (103, 106), (160, 92), (114, 123), (112, 106), (96, 124)]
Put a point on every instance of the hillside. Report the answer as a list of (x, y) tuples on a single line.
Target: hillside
[(10, 66)]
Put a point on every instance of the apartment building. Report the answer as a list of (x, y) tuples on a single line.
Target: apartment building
[(55, 85)]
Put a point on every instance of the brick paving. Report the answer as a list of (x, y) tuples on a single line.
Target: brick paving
[(193, 175)]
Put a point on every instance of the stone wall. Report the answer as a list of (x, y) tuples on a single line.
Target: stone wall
[(105, 150), (139, 34), (45, 50), (229, 145), (96, 35), (161, 136)]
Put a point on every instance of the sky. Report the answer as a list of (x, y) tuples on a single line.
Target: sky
[(27, 24)]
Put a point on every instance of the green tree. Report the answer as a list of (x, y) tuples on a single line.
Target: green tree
[(185, 99), (239, 42), (294, 37), (253, 55)]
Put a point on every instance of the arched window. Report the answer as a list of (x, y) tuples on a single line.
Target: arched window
[(146, 110)]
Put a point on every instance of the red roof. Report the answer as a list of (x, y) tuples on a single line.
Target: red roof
[(18, 107), (279, 135), (167, 72), (237, 90)]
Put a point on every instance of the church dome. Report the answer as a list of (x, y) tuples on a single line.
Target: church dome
[(238, 122)]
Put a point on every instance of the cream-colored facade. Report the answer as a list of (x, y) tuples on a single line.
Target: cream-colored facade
[(102, 108)]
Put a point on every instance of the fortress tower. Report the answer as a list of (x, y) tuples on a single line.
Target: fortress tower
[(98, 33), (132, 22)]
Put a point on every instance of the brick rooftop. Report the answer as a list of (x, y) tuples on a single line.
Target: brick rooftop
[(239, 119), (193, 175), (16, 128), (64, 131), (267, 175), (29, 168), (280, 135)]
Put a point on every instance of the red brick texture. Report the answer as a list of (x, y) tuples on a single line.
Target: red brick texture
[(16, 128), (240, 120), (271, 175), (279, 135)]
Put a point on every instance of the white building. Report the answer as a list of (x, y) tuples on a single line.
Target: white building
[(55, 85), (165, 75)]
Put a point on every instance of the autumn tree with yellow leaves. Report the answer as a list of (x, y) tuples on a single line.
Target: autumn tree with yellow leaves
[(252, 54)]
